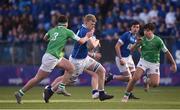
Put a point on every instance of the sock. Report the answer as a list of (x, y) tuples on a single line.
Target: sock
[(127, 94), (50, 89), (62, 86), (21, 92), (113, 76), (94, 91), (101, 92), (49, 86)]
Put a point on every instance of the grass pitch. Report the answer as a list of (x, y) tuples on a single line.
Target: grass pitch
[(158, 98)]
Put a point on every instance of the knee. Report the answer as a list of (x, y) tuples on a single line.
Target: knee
[(71, 69), (94, 75), (129, 78), (101, 70), (134, 79)]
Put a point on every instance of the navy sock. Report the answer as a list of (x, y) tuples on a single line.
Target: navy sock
[(49, 89), (101, 93), (94, 91)]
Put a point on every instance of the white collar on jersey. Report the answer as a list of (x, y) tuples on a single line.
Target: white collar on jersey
[(83, 25), (132, 33), (59, 26), (151, 38)]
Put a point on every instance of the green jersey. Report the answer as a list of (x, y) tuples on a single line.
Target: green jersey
[(57, 38), (150, 49)]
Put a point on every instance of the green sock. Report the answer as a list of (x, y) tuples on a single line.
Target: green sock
[(21, 92), (127, 93), (62, 86)]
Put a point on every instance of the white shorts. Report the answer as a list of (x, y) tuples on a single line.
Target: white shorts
[(129, 63), (81, 64), (150, 68), (49, 62)]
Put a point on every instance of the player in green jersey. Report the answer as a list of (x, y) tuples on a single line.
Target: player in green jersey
[(150, 46), (57, 38)]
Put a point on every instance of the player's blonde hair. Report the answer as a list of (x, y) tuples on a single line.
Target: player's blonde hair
[(90, 17)]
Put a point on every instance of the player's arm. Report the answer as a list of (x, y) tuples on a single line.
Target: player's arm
[(81, 40), (137, 44), (84, 39), (169, 57), (93, 43), (46, 37), (95, 55), (118, 51)]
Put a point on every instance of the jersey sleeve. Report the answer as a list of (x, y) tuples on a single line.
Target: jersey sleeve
[(73, 36), (122, 38), (163, 46)]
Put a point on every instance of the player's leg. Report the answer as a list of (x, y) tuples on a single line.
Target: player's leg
[(78, 69), (69, 69), (137, 75), (125, 75), (152, 77), (31, 83), (49, 90), (56, 81), (61, 81), (48, 64), (94, 83), (96, 67), (132, 69), (154, 80)]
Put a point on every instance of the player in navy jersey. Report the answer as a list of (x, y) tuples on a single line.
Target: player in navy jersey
[(123, 58), (82, 61)]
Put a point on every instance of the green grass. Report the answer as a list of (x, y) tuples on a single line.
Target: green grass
[(158, 98)]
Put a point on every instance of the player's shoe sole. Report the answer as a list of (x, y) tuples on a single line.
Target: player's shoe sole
[(18, 97), (105, 97), (125, 99), (131, 96), (47, 95)]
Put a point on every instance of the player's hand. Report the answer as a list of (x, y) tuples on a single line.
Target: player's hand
[(139, 40), (99, 44), (173, 68), (122, 62), (97, 56), (90, 33)]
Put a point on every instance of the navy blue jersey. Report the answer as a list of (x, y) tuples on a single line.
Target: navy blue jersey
[(127, 39), (80, 51)]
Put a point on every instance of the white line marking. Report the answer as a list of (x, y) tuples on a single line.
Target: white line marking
[(88, 100)]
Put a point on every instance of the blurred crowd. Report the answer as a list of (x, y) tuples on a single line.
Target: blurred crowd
[(29, 20)]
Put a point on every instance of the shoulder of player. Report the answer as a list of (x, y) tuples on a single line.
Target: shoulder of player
[(124, 35), (82, 31), (66, 30), (157, 38)]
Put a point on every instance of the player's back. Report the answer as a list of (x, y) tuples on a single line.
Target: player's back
[(57, 38)]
